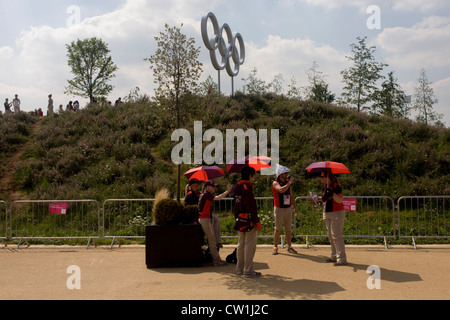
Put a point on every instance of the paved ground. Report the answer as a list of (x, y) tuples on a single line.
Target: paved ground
[(121, 273)]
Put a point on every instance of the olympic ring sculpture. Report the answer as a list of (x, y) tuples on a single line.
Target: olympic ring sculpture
[(228, 49)]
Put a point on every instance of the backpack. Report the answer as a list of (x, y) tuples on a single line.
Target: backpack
[(244, 221)]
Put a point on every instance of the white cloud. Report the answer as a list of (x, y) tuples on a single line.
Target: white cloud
[(292, 57), (421, 5), (441, 91), (37, 65), (423, 45), (398, 5)]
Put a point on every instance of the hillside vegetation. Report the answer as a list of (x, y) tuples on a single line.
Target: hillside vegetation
[(106, 152)]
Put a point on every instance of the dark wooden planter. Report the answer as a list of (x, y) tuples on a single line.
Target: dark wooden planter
[(174, 246)]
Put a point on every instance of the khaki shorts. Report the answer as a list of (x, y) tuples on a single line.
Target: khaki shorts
[(283, 216)]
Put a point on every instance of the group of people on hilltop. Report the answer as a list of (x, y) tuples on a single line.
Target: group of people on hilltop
[(15, 104), (245, 208), (71, 106), (74, 106)]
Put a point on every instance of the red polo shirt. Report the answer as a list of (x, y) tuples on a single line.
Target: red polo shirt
[(330, 204), (205, 205)]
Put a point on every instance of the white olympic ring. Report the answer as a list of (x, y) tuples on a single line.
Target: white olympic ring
[(227, 48)]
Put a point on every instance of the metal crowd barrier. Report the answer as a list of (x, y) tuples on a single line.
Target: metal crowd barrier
[(125, 218), (265, 213), (423, 217), (373, 217), (3, 221), (54, 219)]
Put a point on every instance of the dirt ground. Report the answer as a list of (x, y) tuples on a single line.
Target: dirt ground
[(44, 273)]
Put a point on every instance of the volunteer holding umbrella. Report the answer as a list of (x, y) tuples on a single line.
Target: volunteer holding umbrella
[(196, 176), (210, 223), (192, 193), (333, 207)]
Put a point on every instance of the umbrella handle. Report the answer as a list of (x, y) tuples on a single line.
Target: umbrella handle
[(328, 179)]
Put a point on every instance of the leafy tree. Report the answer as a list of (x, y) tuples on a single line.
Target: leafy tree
[(254, 85), (424, 99), (92, 67), (276, 86), (390, 100), (320, 93), (318, 89), (293, 89), (209, 86), (314, 76), (176, 69), (361, 78), (135, 97)]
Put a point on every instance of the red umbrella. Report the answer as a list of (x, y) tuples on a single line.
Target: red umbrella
[(257, 163), (327, 166), (204, 173)]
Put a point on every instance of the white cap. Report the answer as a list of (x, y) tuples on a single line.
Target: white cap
[(280, 170)]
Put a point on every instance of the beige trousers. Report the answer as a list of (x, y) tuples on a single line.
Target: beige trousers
[(211, 228), (246, 251), (334, 221)]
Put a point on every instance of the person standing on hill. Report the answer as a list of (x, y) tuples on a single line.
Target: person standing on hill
[(69, 107), (283, 203), (16, 104), (7, 106), (50, 105)]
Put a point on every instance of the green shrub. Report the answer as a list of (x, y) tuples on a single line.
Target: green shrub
[(168, 212), (189, 214)]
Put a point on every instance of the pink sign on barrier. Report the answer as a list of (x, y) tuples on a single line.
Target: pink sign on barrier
[(350, 204), (58, 208)]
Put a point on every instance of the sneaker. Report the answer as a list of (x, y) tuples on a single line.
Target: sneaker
[(330, 260), (254, 274), (291, 250), (340, 263), (275, 251), (220, 263)]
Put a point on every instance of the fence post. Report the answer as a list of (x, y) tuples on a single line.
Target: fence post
[(4, 221)]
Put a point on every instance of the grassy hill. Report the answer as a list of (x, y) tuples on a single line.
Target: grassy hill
[(125, 152)]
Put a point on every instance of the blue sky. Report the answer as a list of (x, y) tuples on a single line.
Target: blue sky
[(283, 36)]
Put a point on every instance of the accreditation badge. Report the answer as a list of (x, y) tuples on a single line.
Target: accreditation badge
[(287, 200)]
